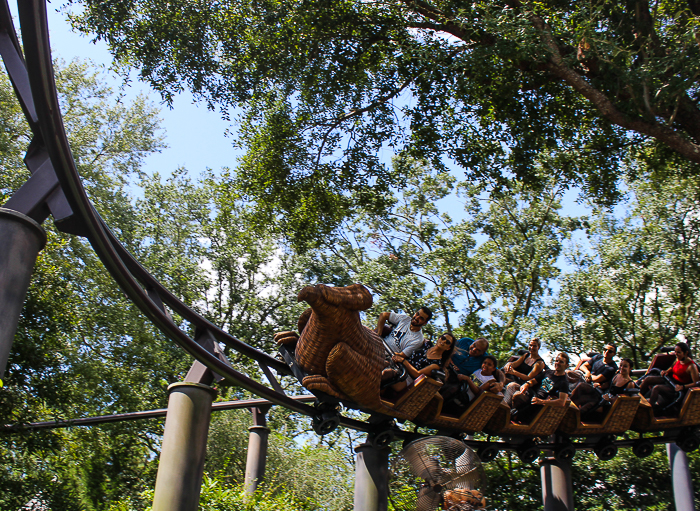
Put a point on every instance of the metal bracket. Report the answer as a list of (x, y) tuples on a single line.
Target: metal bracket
[(271, 378), (199, 373)]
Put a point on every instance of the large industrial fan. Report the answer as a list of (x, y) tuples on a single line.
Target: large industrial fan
[(436, 473)]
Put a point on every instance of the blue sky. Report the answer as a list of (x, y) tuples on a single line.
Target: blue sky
[(195, 136)]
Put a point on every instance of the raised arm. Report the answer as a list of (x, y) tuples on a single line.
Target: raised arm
[(383, 318)]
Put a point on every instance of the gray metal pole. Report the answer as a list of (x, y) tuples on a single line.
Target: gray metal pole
[(22, 239), (371, 478), (181, 466), (557, 488), (680, 478), (257, 450)]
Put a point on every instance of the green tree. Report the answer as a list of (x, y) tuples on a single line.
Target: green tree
[(81, 348), (496, 263), (486, 85), (638, 287)]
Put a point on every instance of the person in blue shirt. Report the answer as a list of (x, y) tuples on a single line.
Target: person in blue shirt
[(468, 357)]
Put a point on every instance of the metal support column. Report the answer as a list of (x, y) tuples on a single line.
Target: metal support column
[(22, 239), (257, 450), (557, 488), (680, 478), (181, 466), (371, 478)]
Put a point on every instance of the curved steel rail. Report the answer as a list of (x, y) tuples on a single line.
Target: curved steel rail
[(42, 110), (46, 121)]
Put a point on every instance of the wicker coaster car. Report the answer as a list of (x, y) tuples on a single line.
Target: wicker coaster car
[(342, 358), (617, 419), (471, 420), (683, 412), (545, 422)]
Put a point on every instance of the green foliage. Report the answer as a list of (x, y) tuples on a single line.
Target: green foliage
[(638, 288), (297, 461), (489, 86), (216, 496), (497, 262)]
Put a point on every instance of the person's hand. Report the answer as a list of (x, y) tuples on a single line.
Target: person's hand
[(588, 377), (537, 401), (679, 388), (665, 372), (398, 358), (524, 387), (597, 385)]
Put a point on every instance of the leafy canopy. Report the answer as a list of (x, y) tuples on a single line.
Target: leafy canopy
[(326, 86)]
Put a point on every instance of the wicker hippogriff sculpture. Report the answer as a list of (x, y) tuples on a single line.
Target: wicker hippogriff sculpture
[(340, 356)]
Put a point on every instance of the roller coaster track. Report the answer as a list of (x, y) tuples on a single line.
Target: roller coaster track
[(34, 83), (55, 188)]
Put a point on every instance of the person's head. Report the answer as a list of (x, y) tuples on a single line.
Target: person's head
[(625, 366), (534, 345), (681, 350), (447, 342), (421, 317), (609, 351), (561, 362), (488, 366), (478, 347)]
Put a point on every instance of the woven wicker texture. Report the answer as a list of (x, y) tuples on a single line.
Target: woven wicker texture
[(344, 358), (335, 318), (286, 338), (318, 382), (356, 374), (545, 422), (689, 415), (416, 397), (473, 419), (617, 419)]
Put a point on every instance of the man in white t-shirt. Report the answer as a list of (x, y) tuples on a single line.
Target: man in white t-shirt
[(406, 337)]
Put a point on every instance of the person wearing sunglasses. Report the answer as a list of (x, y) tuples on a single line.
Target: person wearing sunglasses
[(427, 359)]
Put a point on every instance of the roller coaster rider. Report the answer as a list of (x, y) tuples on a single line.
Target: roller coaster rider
[(678, 378), (600, 370), (404, 338)]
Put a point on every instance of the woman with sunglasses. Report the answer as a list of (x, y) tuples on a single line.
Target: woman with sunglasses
[(425, 360)]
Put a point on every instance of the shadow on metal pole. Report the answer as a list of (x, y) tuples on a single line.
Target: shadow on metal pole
[(680, 478), (181, 466), (257, 450), (21, 239), (371, 478), (557, 488)]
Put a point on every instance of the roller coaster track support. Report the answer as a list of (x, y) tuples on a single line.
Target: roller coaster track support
[(680, 478), (371, 477), (181, 466), (22, 239), (557, 487), (257, 450)]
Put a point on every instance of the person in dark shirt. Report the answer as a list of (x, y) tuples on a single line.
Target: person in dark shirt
[(426, 359), (600, 370), (551, 385)]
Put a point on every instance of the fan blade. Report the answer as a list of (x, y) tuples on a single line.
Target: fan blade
[(471, 480), (425, 468), (428, 499)]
